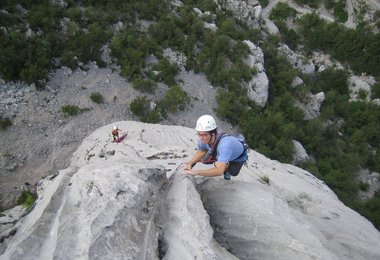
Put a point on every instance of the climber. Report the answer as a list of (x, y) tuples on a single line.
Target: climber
[(230, 153), (115, 132)]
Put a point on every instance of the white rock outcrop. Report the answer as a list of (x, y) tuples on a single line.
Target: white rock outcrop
[(128, 201), (300, 153), (360, 84), (247, 11), (372, 179), (258, 89), (297, 81), (258, 86), (269, 26), (298, 61), (312, 106), (324, 61), (176, 57)]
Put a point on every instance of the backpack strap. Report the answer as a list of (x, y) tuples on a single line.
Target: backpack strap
[(245, 148), (215, 146)]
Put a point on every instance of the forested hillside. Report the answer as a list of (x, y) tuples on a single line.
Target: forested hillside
[(36, 38)]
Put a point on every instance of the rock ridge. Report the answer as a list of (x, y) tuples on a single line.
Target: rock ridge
[(128, 201)]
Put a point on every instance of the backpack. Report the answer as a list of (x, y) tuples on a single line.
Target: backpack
[(210, 157)]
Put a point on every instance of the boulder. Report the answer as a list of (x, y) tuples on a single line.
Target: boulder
[(300, 153), (298, 61), (257, 87)]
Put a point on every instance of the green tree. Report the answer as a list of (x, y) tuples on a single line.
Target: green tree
[(229, 28), (131, 46), (331, 80), (166, 72), (375, 91), (140, 106), (144, 85), (282, 11), (311, 3), (340, 12), (13, 48), (85, 46), (231, 105), (175, 99), (372, 208)]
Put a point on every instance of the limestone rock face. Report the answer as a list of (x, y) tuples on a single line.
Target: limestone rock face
[(297, 81), (296, 60), (248, 11), (258, 89), (128, 200), (258, 86), (372, 179), (256, 56), (311, 107), (176, 57), (300, 153), (360, 84)]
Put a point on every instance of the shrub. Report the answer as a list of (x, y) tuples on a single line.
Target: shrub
[(230, 28), (131, 46), (362, 95), (153, 116), (97, 97), (175, 99), (144, 85), (372, 207), (27, 199), (69, 59), (140, 106), (73, 110), (24, 58), (363, 186), (290, 36), (85, 45), (167, 33), (265, 179), (329, 4), (311, 3), (5, 123), (264, 3), (282, 11), (230, 105), (167, 71), (376, 15), (376, 91), (339, 11)]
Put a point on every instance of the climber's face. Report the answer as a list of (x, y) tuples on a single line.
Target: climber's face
[(204, 137)]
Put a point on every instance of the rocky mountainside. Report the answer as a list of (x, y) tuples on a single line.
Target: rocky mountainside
[(128, 200), (296, 216), (41, 138)]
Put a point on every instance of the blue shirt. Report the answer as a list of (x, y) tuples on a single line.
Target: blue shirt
[(228, 150)]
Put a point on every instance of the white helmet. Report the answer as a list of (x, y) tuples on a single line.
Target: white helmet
[(115, 127), (206, 123)]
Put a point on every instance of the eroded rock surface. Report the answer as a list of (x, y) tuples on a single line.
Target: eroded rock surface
[(132, 203)]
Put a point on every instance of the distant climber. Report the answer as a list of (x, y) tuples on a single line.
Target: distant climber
[(227, 152), (115, 132)]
